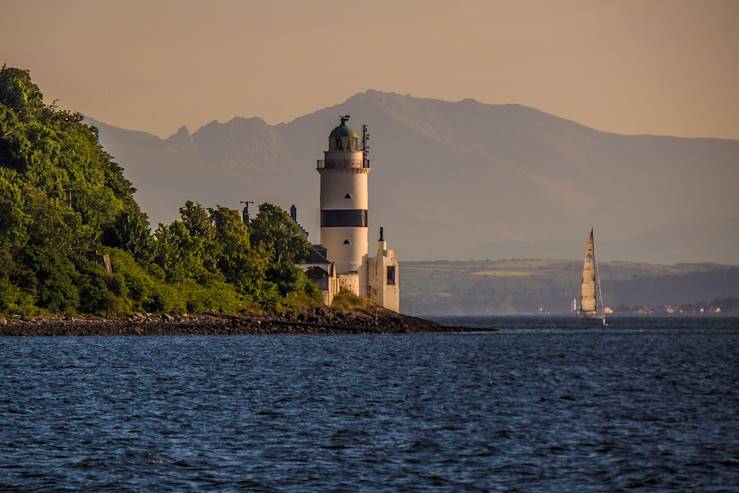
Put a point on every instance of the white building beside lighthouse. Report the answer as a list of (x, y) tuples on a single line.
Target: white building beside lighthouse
[(341, 260)]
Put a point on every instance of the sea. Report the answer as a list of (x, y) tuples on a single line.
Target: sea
[(544, 404)]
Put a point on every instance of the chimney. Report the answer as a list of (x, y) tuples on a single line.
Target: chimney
[(381, 245), (294, 213)]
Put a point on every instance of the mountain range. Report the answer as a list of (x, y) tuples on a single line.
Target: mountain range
[(462, 180)]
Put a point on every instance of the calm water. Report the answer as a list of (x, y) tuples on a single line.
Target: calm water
[(648, 405)]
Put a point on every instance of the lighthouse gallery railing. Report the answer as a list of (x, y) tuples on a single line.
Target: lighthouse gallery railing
[(321, 164)]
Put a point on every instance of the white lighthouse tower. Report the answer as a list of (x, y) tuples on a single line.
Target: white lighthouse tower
[(344, 201), (341, 260)]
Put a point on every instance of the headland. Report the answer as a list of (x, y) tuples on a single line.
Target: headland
[(320, 320)]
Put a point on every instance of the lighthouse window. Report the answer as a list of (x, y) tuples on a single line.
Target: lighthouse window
[(348, 196), (347, 242), (391, 275), (339, 147)]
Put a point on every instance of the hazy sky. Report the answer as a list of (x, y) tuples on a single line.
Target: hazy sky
[(663, 67)]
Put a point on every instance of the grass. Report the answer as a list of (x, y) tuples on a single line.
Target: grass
[(349, 302)]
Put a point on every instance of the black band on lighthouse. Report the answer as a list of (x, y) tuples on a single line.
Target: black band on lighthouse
[(344, 218)]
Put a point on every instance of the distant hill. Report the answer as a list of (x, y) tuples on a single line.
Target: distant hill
[(463, 180), (523, 286)]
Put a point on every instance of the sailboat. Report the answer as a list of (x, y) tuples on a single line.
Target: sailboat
[(591, 296)]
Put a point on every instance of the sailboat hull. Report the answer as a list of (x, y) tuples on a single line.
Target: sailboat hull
[(587, 321)]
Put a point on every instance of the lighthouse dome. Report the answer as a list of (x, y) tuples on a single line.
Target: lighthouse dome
[(343, 130), (343, 137)]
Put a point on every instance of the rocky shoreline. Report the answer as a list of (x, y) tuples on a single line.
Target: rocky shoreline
[(317, 321)]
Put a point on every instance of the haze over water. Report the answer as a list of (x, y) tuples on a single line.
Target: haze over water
[(645, 404)]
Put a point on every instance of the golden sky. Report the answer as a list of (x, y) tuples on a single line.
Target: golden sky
[(661, 67)]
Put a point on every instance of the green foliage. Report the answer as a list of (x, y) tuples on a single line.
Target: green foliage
[(348, 301), (242, 265), (212, 246), (280, 238), (148, 293), (19, 93), (278, 234), (101, 292), (13, 218), (307, 294), (15, 300), (131, 232), (177, 252), (63, 200)]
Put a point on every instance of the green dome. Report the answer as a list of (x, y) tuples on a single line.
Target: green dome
[(343, 130)]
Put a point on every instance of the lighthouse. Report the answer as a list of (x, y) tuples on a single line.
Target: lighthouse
[(344, 200), (341, 260)]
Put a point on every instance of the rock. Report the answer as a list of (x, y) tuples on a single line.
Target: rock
[(314, 321)]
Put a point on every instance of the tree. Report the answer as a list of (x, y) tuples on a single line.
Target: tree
[(198, 222), (177, 252), (63, 200), (131, 232), (280, 237), (243, 266), (278, 234)]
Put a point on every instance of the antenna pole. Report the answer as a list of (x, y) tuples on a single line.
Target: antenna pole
[(365, 145), (245, 212)]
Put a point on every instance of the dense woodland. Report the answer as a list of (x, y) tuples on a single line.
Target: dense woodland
[(64, 201)]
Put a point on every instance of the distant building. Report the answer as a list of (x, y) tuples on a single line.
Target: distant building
[(341, 260)]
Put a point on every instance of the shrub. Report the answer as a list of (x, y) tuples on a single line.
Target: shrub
[(348, 301)]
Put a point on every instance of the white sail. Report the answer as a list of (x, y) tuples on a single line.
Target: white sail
[(588, 303)]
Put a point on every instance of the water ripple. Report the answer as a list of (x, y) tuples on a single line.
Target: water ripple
[(645, 404)]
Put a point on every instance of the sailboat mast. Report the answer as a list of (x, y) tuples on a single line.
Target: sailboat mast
[(599, 302)]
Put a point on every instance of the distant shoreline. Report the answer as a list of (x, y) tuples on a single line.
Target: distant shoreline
[(316, 322)]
